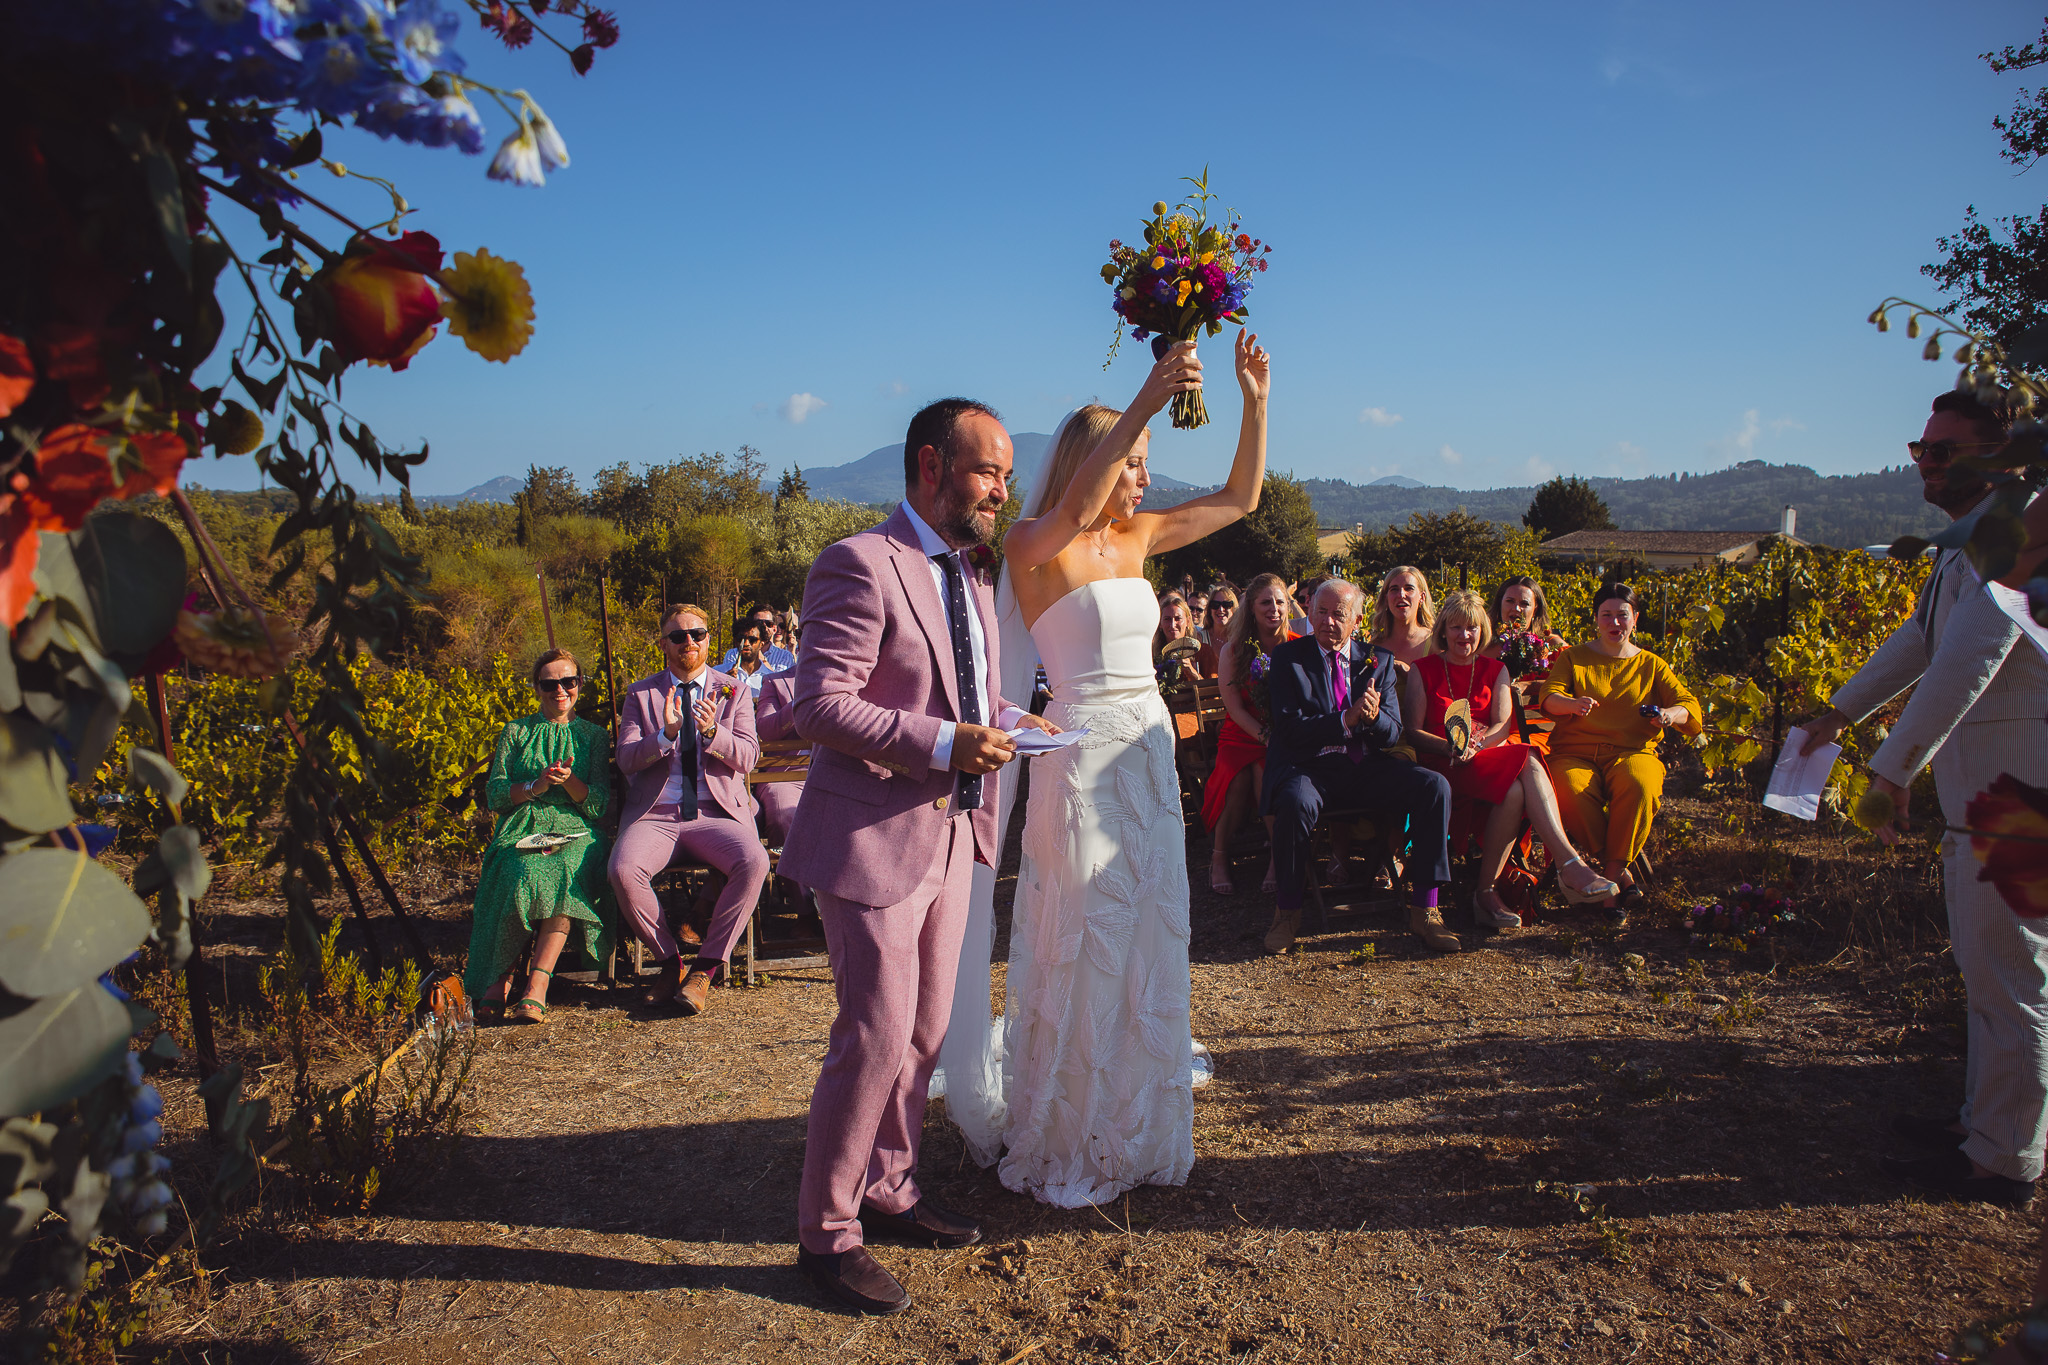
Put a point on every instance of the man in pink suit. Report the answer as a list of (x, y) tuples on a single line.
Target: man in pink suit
[(895, 689), (775, 718), (686, 745)]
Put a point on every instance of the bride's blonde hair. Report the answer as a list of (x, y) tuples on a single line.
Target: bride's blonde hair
[(1083, 430)]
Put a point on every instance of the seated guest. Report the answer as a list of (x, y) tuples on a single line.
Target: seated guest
[(1403, 617), (775, 719), (753, 666), (1519, 604), (1235, 781), (1612, 702), (1491, 768), (550, 775), (1336, 710), (686, 745), (1215, 617), (1176, 628), (774, 653)]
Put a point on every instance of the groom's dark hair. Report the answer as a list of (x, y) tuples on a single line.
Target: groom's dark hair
[(934, 426)]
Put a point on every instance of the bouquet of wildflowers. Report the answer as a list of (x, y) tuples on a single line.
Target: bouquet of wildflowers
[(1523, 652), (1190, 275), (1258, 679)]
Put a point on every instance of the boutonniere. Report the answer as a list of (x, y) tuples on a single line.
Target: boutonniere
[(983, 558), (722, 691)]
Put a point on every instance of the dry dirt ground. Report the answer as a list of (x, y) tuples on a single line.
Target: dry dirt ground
[(1366, 1184)]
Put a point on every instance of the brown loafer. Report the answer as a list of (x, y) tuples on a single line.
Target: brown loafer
[(923, 1223), (666, 981), (695, 995), (1428, 925), (1286, 926), (687, 935), (855, 1279)]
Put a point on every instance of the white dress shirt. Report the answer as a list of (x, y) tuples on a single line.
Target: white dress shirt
[(672, 790), (933, 546)]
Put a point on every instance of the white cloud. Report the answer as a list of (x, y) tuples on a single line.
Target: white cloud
[(895, 388), (799, 406), (1787, 424), (1379, 417), (1449, 456), (1745, 439), (1538, 470)]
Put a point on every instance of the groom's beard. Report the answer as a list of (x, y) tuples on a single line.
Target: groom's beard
[(962, 523)]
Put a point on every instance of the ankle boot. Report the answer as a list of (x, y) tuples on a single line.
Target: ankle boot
[(1426, 924), (1286, 925)]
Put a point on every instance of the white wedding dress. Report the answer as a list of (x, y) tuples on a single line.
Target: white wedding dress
[(1096, 1058)]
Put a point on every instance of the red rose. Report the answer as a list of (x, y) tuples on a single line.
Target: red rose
[(385, 307), (17, 373), (2017, 867)]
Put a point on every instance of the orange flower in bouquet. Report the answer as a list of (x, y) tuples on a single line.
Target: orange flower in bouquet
[(385, 304)]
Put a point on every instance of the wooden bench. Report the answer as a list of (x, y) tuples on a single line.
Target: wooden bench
[(1198, 713)]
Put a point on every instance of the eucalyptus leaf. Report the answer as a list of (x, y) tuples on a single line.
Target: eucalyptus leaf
[(157, 773), (186, 862), (10, 683), (133, 568), (34, 788), (100, 730), (64, 919), (59, 1047), (57, 572)]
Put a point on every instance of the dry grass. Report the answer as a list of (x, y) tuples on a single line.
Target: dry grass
[(1365, 1185)]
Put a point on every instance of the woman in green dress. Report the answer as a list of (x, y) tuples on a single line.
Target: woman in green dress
[(550, 776)]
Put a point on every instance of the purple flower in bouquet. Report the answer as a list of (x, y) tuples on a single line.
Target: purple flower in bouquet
[(1521, 652)]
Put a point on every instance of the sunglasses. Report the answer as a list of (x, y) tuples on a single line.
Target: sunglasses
[(568, 684), (1225, 605), (1941, 452), (696, 633)]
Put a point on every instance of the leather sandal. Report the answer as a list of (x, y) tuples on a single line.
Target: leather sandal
[(1599, 890), (529, 1011), (1219, 879)]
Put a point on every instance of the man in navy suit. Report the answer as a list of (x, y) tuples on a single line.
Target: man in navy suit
[(1336, 710)]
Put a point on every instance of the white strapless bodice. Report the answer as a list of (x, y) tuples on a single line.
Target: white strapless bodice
[(1096, 642)]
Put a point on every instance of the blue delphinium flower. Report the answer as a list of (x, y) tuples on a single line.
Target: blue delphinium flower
[(393, 110), (448, 120), (339, 74), (421, 33)]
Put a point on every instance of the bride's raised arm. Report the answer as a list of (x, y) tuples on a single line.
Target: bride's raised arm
[(1198, 517), (1037, 540)]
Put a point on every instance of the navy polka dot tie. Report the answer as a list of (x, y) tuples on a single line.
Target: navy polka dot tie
[(963, 667)]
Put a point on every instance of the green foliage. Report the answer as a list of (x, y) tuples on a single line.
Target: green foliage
[(1565, 505), (1278, 537), (1611, 1237), (1433, 539)]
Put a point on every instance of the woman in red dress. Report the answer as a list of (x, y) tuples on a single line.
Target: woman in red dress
[(1233, 790), (1507, 776)]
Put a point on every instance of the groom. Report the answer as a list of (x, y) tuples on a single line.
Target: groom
[(895, 688)]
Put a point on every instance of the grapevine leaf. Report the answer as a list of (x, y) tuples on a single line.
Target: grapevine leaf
[(33, 785), (59, 1047), (64, 919)]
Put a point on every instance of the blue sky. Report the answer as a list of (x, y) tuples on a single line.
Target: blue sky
[(1510, 239)]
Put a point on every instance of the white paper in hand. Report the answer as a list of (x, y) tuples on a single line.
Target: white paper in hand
[(1799, 779), (2013, 603), (1032, 742)]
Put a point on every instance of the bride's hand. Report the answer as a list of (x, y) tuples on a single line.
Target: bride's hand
[(1254, 367), (1179, 372)]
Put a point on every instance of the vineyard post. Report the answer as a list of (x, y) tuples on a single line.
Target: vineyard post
[(604, 626), (1784, 623), (546, 616), (1464, 575), (196, 998)]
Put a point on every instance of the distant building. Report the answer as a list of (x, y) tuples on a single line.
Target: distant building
[(1672, 549)]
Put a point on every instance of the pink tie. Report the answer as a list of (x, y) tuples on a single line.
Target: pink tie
[(1339, 684)]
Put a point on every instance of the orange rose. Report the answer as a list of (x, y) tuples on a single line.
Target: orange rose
[(73, 473), (2017, 867), (17, 373), (385, 308)]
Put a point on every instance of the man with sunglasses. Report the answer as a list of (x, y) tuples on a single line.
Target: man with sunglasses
[(1976, 712), (896, 690), (754, 664), (773, 652), (686, 745)]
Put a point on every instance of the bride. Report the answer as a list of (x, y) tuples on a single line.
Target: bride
[(1090, 1086)]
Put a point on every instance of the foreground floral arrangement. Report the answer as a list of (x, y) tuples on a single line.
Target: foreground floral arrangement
[(143, 141)]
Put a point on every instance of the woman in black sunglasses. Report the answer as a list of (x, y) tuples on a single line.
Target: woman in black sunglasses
[(544, 873)]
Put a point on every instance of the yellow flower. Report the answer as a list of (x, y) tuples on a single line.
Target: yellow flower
[(1208, 256), (489, 304), (1159, 263), (1185, 286)]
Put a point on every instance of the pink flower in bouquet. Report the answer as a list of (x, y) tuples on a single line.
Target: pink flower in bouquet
[(385, 306)]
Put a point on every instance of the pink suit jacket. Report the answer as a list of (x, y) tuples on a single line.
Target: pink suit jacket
[(874, 677), (729, 754)]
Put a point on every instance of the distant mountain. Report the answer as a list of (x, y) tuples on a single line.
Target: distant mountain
[(1396, 481), (878, 475), (1840, 509), (501, 489)]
